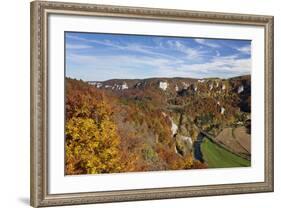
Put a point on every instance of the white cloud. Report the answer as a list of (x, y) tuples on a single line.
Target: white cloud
[(77, 46), (245, 49), (207, 43), (194, 62), (129, 66), (218, 53), (134, 47), (191, 53), (226, 65)]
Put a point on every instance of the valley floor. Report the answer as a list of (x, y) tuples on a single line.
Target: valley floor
[(218, 157)]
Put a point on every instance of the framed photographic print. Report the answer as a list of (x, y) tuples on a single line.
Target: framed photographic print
[(140, 103)]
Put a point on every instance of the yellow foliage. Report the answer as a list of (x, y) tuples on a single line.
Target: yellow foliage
[(92, 141), (188, 161)]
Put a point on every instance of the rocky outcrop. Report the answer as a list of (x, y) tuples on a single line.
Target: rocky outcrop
[(183, 145), (163, 85), (124, 86)]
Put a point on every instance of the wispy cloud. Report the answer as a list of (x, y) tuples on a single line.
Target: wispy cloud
[(206, 42), (217, 53), (245, 49), (230, 65), (102, 57), (77, 46), (125, 46), (191, 53), (130, 66)]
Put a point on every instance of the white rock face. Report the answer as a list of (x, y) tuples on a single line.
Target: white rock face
[(211, 86), (201, 80), (222, 110), (185, 145), (124, 86), (176, 151), (96, 84), (174, 128), (223, 87), (188, 139), (116, 87), (163, 85), (185, 85), (195, 88), (177, 88), (217, 84), (107, 86), (240, 89), (218, 103), (138, 84), (92, 83)]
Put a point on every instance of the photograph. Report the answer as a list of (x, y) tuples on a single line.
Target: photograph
[(137, 103)]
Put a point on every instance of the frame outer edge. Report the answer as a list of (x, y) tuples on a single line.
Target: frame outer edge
[(32, 127), (38, 195), (32, 184), (272, 105), (269, 104), (34, 157), (271, 98)]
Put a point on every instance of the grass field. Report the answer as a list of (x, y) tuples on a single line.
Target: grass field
[(218, 157)]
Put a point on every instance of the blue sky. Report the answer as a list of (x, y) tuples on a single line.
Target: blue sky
[(99, 57)]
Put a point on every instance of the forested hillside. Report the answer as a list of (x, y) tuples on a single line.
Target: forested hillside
[(157, 124)]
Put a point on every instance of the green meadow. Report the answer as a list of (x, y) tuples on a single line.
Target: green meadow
[(218, 157)]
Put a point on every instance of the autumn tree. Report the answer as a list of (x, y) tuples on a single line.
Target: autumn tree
[(92, 141)]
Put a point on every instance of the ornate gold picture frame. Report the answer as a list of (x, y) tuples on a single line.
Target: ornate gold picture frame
[(40, 85)]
